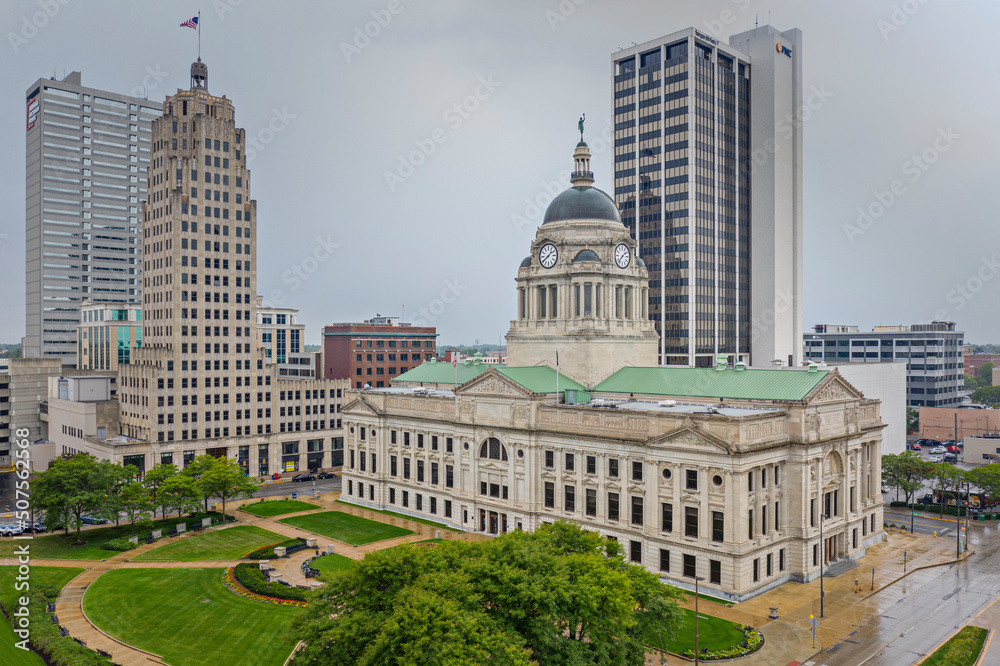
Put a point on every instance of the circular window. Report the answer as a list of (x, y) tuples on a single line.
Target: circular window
[(373, 432), (352, 430), (666, 474), (466, 446), (520, 453), (717, 480)]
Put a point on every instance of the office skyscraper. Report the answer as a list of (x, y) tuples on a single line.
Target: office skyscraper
[(87, 151), (708, 177)]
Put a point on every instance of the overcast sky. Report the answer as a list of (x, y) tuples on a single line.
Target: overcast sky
[(446, 237)]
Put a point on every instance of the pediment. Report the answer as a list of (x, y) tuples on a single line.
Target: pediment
[(688, 437), (493, 383), (360, 406), (833, 389)]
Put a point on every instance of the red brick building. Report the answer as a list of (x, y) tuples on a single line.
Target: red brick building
[(974, 361), (375, 351)]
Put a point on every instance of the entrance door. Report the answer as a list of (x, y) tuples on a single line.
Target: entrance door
[(493, 522), (830, 549), (503, 523)]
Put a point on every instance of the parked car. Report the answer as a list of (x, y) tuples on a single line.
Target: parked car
[(939, 449), (950, 457), (92, 520), (303, 477), (38, 526), (915, 446), (326, 475), (935, 459), (10, 529), (953, 448)]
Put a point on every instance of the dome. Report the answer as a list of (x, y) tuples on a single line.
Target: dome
[(639, 262), (586, 255), (526, 261), (582, 203)]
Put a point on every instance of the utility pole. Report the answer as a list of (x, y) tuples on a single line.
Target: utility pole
[(822, 562), (696, 579)]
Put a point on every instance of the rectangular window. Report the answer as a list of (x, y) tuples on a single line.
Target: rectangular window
[(692, 479), (637, 511), (392, 466), (406, 468), (591, 464), (718, 526), (715, 572), (777, 523), (569, 462), (550, 459), (690, 570), (691, 521), (781, 560), (420, 471), (636, 471), (812, 512), (665, 560), (769, 560), (815, 554), (569, 496), (635, 551), (756, 570), (420, 502), (591, 502), (613, 467), (449, 476), (667, 516), (550, 495), (612, 506), (750, 525)]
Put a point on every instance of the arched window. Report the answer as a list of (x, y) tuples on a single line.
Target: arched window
[(493, 449)]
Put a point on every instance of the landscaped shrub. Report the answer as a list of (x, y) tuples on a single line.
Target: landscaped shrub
[(253, 579), (121, 544), (45, 639), (754, 641), (267, 552)]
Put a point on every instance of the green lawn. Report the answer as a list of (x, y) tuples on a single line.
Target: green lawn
[(713, 633), (231, 543), (55, 576), (328, 564), (268, 509), (189, 617), (346, 527), (962, 649), (405, 517)]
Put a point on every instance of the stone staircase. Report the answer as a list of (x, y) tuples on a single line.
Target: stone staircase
[(839, 567)]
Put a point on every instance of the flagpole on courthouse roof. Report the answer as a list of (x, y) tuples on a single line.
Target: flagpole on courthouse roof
[(199, 34)]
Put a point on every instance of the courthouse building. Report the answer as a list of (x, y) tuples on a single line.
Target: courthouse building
[(724, 473)]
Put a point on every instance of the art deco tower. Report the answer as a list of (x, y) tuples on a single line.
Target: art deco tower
[(199, 374)]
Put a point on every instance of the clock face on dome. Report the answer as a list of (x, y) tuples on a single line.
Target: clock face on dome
[(622, 256), (547, 255)]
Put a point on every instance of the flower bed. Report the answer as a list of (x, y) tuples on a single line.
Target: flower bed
[(754, 641), (267, 552), (244, 579)]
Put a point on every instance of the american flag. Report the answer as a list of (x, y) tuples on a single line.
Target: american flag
[(191, 23)]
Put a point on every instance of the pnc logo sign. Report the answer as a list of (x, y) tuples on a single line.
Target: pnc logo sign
[(783, 49)]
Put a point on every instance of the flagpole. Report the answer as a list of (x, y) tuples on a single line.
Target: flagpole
[(199, 35), (557, 375)]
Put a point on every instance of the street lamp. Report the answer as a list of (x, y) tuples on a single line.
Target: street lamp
[(696, 580), (822, 562)]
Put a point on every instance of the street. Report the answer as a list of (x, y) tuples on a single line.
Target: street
[(912, 617), (303, 489), (922, 524)]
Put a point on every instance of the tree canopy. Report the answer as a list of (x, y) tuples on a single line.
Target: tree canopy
[(906, 472), (987, 395), (560, 595)]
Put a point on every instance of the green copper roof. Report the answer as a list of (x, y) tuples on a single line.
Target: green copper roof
[(442, 373), (749, 384), (538, 379)]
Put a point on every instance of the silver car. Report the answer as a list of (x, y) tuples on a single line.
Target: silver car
[(935, 459)]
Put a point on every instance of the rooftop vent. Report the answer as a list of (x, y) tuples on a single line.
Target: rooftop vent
[(667, 403), (740, 366), (813, 367)]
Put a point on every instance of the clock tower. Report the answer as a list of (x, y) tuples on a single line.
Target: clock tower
[(582, 290)]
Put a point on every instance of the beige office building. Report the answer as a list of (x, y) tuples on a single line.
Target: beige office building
[(724, 473), (107, 336)]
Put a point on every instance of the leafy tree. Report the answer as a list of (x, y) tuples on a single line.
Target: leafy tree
[(560, 595), (906, 472), (118, 476), (985, 374), (912, 420), (196, 469), (986, 478), (224, 479), (987, 395), (135, 502), (948, 478), (154, 480), (180, 493), (971, 383), (73, 486)]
